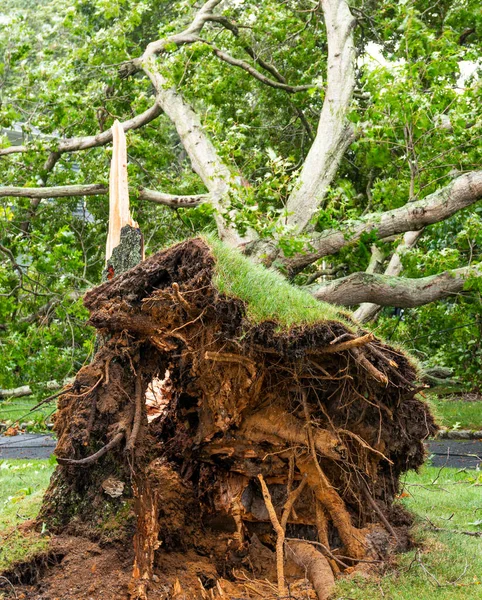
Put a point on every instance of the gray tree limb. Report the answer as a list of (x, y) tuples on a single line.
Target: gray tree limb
[(403, 292), (95, 189), (367, 310), (26, 390), (60, 146), (442, 204), (334, 133)]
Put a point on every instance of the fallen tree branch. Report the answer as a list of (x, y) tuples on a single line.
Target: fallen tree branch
[(59, 146), (97, 189), (445, 202), (334, 133), (205, 160), (368, 310), (26, 390), (403, 292)]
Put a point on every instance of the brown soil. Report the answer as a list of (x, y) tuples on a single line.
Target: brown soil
[(277, 454)]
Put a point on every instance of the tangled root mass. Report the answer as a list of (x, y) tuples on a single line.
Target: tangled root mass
[(288, 442)]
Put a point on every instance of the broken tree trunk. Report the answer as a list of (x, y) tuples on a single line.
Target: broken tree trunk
[(124, 247), (239, 402)]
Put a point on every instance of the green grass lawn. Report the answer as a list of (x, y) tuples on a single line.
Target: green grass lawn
[(22, 485), (452, 562), (16, 410), (457, 413)]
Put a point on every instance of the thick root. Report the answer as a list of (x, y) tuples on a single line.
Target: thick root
[(269, 421), (316, 567), (329, 498)]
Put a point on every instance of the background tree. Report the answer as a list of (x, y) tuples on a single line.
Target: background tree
[(316, 136)]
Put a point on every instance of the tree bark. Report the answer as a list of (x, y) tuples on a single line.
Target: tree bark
[(97, 189), (26, 390), (403, 292), (442, 204), (367, 310), (335, 132), (74, 144), (205, 159)]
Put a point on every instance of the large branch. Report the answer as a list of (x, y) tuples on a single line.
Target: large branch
[(60, 146), (334, 133), (367, 310), (386, 290), (442, 204), (205, 159), (96, 189)]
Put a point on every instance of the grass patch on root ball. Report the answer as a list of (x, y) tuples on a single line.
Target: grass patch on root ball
[(267, 294), (22, 486), (445, 565)]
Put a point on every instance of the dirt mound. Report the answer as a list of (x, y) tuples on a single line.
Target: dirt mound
[(284, 444)]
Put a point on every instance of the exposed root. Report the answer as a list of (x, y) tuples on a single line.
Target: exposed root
[(366, 364), (136, 425), (235, 358), (379, 511), (329, 498), (349, 344), (90, 460), (280, 537), (317, 568), (269, 422)]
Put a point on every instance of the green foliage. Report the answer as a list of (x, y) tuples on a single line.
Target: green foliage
[(416, 111)]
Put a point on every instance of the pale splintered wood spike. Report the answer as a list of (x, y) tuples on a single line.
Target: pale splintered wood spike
[(119, 213)]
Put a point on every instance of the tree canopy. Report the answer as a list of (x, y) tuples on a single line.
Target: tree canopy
[(337, 142)]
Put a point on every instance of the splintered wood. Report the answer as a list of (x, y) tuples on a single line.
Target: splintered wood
[(119, 211)]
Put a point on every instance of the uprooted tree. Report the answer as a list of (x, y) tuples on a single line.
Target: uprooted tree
[(270, 432), (232, 432)]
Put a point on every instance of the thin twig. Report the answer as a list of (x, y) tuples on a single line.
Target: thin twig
[(137, 415)]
